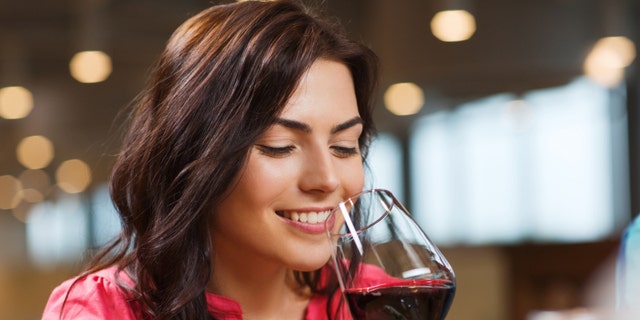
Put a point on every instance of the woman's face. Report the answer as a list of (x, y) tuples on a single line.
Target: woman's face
[(298, 170)]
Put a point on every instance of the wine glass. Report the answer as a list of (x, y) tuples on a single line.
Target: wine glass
[(386, 265)]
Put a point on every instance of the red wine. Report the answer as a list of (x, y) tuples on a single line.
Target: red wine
[(403, 300)]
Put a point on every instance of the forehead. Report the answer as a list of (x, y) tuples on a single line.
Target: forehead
[(325, 88)]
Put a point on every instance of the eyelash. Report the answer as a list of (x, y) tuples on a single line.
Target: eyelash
[(342, 152), (275, 151), (345, 152)]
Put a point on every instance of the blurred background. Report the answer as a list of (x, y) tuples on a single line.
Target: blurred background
[(509, 128)]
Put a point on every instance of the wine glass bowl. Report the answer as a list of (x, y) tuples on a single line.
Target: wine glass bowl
[(386, 265)]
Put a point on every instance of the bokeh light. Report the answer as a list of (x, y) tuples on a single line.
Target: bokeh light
[(35, 152), (90, 66), (10, 192), (73, 176), (453, 25), (404, 98), (16, 102), (607, 59)]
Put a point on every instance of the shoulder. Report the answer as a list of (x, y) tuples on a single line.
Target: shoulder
[(93, 296)]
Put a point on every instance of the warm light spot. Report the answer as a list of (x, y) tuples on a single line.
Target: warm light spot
[(90, 66), (73, 176), (453, 25), (10, 192), (404, 98), (607, 59), (618, 52), (15, 102), (35, 152)]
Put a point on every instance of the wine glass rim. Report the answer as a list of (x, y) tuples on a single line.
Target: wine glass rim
[(352, 199), (368, 191)]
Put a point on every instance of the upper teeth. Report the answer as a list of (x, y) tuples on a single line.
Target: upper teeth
[(308, 217)]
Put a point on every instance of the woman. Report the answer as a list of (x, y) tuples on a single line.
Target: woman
[(255, 124)]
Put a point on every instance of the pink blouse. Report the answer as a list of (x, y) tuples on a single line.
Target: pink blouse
[(97, 296)]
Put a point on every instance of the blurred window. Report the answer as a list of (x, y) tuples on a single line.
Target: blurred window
[(60, 231), (540, 167), (385, 165), (105, 221), (57, 232)]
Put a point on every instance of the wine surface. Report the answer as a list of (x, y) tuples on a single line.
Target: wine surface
[(403, 300)]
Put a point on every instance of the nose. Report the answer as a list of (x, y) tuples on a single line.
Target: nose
[(320, 173)]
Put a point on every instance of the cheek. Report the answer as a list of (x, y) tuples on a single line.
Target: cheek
[(265, 178), (353, 177)]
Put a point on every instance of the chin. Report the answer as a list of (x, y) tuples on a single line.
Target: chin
[(311, 264)]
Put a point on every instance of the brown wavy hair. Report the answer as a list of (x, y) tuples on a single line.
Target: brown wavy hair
[(223, 78)]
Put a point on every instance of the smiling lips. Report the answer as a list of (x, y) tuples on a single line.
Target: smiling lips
[(312, 217)]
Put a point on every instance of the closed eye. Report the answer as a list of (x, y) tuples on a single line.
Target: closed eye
[(275, 151), (344, 152)]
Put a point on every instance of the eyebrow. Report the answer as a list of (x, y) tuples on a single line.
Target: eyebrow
[(347, 124), (300, 126)]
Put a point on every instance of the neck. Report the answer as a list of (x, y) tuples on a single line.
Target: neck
[(263, 290)]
